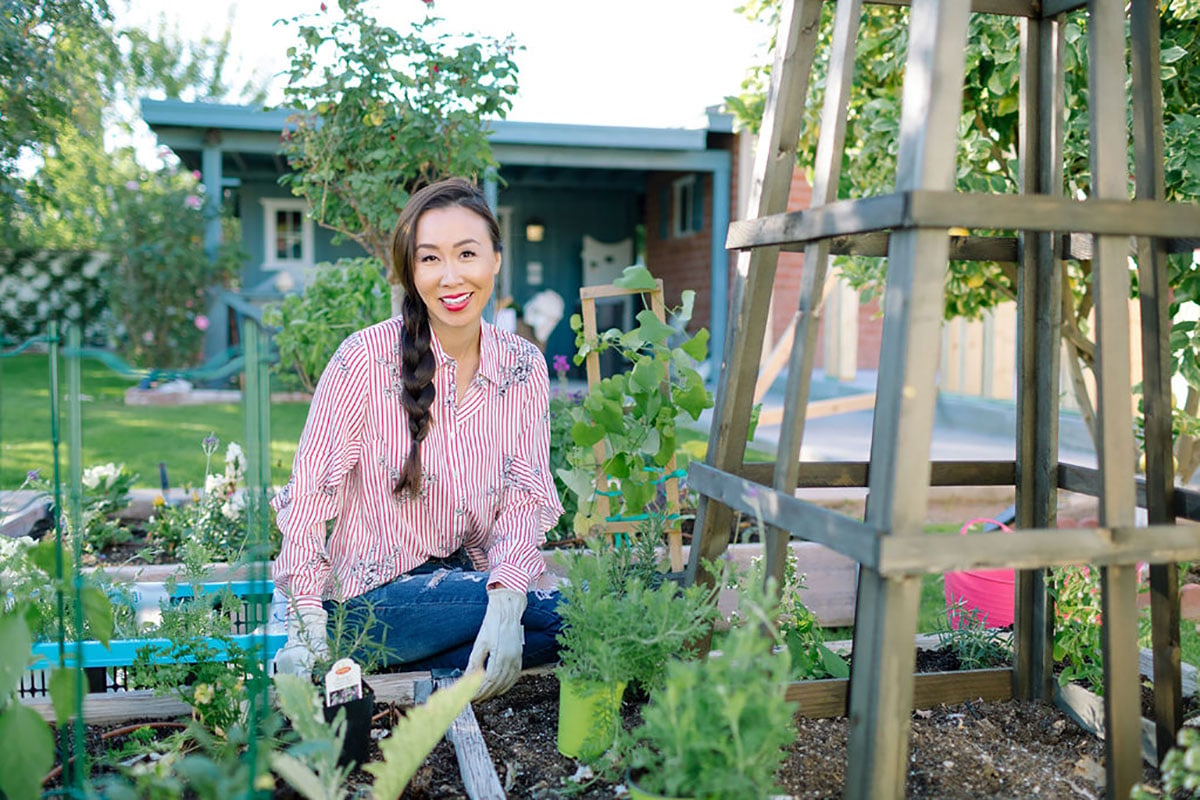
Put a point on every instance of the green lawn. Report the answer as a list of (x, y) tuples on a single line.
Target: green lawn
[(138, 436)]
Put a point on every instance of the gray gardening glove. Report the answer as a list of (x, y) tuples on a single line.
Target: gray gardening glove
[(306, 643), (500, 642)]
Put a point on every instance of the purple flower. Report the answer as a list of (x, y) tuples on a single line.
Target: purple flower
[(201, 322), (193, 201), (32, 475), (560, 365), (132, 186)]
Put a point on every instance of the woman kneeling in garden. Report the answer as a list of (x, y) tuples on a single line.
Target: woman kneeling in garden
[(428, 442)]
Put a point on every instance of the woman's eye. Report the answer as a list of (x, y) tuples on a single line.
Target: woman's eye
[(466, 254), (425, 259)]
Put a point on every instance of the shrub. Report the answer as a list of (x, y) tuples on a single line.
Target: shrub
[(718, 726), (623, 621), (161, 276), (341, 298)]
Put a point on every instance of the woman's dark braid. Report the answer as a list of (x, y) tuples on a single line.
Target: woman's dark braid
[(417, 366)]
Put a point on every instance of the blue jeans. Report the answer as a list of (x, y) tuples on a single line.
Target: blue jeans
[(429, 617)]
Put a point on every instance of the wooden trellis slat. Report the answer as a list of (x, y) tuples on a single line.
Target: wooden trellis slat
[(754, 274)]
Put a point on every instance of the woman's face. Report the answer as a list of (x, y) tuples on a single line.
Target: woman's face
[(455, 268)]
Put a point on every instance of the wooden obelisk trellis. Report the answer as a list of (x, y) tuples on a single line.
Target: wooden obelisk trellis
[(909, 227)]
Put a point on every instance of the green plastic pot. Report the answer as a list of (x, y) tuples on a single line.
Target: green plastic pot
[(588, 716), (638, 793)]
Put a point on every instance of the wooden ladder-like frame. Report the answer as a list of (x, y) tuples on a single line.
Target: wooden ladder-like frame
[(910, 227)]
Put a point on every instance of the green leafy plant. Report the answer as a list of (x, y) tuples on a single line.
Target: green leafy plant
[(29, 573), (417, 734), (400, 110), (623, 621), (635, 413), (1077, 633), (215, 518), (161, 275), (29, 743), (201, 665), (974, 644), (717, 727), (1180, 769), (562, 401), (104, 494), (340, 299), (310, 765)]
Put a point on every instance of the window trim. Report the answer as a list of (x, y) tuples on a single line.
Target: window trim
[(271, 207), (683, 204)]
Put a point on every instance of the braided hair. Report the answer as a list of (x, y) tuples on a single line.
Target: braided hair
[(417, 364)]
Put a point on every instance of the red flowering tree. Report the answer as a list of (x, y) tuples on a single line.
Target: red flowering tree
[(380, 113)]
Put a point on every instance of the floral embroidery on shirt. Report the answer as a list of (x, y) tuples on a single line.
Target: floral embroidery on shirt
[(368, 573), (395, 385), (339, 355), (516, 375), (284, 498), (509, 478)]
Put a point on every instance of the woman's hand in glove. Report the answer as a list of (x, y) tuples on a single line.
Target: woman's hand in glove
[(500, 642)]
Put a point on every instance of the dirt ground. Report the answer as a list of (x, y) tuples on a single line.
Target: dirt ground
[(967, 751)]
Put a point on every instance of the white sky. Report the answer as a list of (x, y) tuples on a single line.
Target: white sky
[(654, 63)]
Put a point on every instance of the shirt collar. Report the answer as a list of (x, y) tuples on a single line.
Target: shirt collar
[(489, 351)]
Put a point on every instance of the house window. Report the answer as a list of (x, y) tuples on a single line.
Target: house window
[(686, 206), (289, 234)]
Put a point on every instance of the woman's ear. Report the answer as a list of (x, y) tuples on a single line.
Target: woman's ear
[(499, 261)]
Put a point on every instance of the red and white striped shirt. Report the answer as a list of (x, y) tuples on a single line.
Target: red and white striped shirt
[(486, 487)]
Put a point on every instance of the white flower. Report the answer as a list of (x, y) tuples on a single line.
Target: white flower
[(232, 508), (235, 461), (214, 484), (40, 282), (26, 293), (108, 473)]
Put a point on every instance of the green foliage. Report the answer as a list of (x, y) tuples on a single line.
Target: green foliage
[(49, 47), (800, 629), (622, 619), (162, 274), (1077, 633), (417, 734), (165, 62), (216, 519), (340, 299), (32, 581), (201, 666), (634, 413), (104, 493), (718, 727), (561, 445), (381, 113), (310, 765), (987, 158), (1180, 769), (202, 765), (28, 751), (975, 644)]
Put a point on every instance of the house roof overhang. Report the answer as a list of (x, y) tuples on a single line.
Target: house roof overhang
[(248, 138)]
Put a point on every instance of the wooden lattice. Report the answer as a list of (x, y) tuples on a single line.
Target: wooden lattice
[(909, 227)]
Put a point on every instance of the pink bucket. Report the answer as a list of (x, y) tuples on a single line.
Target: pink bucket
[(984, 593)]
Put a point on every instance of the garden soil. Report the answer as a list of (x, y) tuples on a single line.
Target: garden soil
[(969, 751)]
